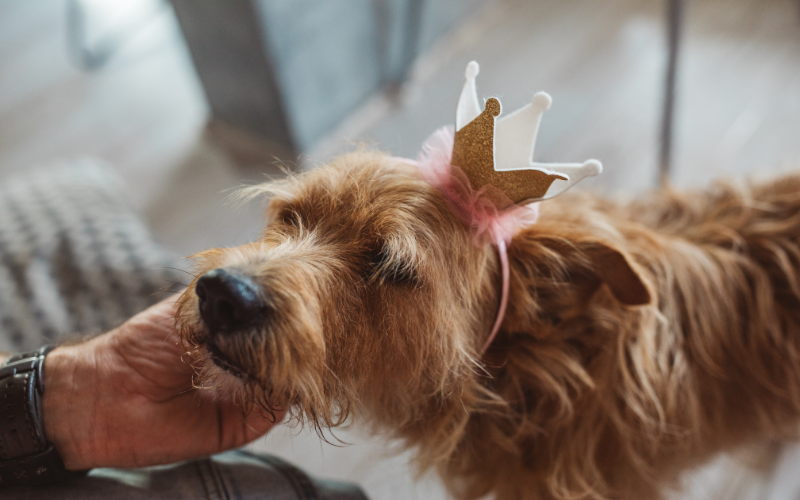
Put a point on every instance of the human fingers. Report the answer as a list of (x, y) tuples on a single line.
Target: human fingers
[(238, 427)]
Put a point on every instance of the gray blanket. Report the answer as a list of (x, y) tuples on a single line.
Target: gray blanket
[(74, 256)]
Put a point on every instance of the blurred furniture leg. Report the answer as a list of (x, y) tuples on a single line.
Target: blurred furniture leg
[(227, 46), (400, 22), (289, 72), (675, 24)]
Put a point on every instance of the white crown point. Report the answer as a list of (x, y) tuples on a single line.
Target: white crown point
[(468, 108), (575, 172), (472, 70), (593, 167), (542, 101), (515, 134)]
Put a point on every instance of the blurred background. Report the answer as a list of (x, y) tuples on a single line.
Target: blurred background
[(189, 99)]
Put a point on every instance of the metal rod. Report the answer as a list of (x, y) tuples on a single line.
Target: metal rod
[(674, 25)]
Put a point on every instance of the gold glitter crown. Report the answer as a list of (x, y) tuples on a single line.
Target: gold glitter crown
[(499, 152)]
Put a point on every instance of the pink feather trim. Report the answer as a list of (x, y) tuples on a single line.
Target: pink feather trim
[(488, 224)]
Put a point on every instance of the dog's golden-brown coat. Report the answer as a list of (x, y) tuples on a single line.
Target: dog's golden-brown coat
[(640, 338)]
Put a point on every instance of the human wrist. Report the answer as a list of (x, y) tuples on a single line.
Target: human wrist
[(26, 457), (68, 404)]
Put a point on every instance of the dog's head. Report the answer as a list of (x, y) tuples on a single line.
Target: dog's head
[(366, 291), (364, 287)]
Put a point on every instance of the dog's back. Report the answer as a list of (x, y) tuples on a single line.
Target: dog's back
[(614, 400)]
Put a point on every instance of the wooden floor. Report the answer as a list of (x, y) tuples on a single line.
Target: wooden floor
[(602, 61)]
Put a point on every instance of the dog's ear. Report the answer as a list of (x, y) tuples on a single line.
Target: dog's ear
[(614, 269)]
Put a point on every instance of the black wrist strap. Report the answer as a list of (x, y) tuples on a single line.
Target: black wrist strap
[(26, 457), (45, 467)]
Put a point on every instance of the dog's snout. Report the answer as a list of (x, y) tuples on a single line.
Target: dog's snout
[(229, 301)]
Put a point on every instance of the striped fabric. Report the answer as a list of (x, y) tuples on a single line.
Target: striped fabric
[(74, 256)]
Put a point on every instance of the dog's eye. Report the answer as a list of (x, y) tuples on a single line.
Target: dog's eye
[(393, 270), (289, 217)]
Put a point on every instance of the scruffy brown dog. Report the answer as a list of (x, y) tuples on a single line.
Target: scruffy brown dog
[(640, 338)]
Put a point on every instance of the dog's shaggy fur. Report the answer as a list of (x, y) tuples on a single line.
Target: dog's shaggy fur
[(640, 338)]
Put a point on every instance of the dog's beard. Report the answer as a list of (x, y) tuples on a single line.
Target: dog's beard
[(217, 371), (227, 352), (250, 370), (221, 360)]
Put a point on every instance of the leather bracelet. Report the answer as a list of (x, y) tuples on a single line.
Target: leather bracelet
[(26, 457)]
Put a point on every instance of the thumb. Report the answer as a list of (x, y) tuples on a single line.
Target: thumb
[(239, 427)]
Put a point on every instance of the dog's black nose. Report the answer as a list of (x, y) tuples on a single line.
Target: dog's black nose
[(229, 301)]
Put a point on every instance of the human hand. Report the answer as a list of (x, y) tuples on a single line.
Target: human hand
[(125, 399)]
